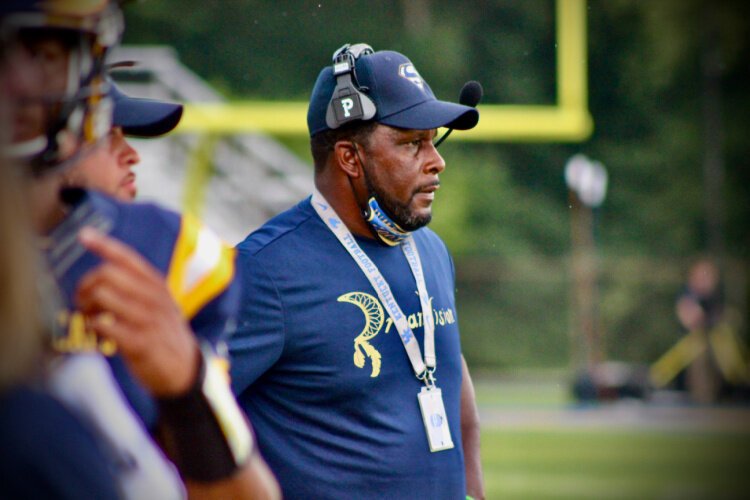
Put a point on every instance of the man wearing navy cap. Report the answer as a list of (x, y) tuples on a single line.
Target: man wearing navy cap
[(109, 167), (347, 354)]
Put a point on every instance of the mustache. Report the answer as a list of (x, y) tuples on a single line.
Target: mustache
[(435, 184)]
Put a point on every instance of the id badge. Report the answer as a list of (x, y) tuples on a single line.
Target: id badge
[(435, 419)]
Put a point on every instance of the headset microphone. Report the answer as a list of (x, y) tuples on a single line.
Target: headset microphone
[(471, 94)]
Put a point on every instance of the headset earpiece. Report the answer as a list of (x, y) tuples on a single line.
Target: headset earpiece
[(348, 101)]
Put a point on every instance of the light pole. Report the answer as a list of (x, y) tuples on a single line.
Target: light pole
[(587, 187)]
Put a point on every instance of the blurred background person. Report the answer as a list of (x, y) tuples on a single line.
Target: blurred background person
[(45, 450), (700, 305), (719, 367), (699, 308)]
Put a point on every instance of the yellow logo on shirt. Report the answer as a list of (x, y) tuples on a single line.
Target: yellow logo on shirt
[(80, 337), (374, 321), (373, 312)]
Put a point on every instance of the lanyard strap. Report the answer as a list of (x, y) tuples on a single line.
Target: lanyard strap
[(422, 369)]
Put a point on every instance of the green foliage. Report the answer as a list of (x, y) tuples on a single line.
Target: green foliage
[(501, 326), (503, 208)]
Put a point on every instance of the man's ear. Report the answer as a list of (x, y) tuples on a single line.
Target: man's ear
[(346, 158)]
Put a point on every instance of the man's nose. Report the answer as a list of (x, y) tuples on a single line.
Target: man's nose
[(435, 163)]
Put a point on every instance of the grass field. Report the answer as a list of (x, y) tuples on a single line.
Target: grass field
[(605, 461), (596, 464)]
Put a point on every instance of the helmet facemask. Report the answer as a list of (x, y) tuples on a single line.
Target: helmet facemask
[(67, 110)]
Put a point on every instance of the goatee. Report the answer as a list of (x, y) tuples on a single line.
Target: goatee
[(399, 213)]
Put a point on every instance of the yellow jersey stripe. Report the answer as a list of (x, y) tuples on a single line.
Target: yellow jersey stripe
[(202, 267), (183, 249), (211, 285)]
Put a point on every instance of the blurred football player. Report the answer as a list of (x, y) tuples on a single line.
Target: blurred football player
[(150, 290)]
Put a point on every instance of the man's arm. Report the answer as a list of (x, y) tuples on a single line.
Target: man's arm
[(127, 301), (470, 436), (257, 341)]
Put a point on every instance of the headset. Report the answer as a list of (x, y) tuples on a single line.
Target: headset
[(348, 101)]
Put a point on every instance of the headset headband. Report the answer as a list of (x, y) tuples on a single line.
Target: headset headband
[(348, 101)]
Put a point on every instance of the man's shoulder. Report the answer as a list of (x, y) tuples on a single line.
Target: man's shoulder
[(128, 221), (198, 265), (430, 240), (191, 256), (147, 228), (427, 233), (150, 227), (147, 214), (289, 225)]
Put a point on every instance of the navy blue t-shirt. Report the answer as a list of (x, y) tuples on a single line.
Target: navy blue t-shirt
[(319, 366), (46, 453)]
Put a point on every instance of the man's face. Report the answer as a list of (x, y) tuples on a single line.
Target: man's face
[(401, 170), (24, 84), (108, 168)]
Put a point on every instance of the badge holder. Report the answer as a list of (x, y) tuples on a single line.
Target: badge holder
[(433, 415)]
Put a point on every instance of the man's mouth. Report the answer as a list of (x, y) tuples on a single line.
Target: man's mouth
[(128, 183), (129, 179), (430, 188)]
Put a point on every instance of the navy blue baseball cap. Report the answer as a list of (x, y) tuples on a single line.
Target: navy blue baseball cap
[(401, 96), (143, 117)]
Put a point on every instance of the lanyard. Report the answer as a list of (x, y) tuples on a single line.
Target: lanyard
[(422, 369)]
